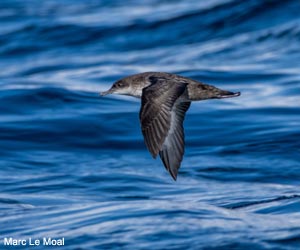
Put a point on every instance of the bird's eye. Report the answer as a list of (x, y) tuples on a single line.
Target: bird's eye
[(119, 84)]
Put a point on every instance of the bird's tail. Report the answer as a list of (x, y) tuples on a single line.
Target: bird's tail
[(203, 91)]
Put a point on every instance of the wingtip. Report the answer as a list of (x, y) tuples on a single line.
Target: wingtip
[(174, 175)]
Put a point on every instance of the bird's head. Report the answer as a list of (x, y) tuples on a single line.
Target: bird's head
[(120, 87)]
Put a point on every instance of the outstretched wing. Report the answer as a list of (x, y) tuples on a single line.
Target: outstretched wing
[(160, 117), (173, 147)]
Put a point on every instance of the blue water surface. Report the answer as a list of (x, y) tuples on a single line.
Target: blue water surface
[(74, 165)]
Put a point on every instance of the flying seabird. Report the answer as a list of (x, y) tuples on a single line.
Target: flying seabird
[(165, 99)]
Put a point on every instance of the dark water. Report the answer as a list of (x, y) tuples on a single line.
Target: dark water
[(74, 165)]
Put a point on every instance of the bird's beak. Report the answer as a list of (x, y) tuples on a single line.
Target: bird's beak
[(110, 91)]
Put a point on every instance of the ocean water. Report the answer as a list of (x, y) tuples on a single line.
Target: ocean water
[(74, 165)]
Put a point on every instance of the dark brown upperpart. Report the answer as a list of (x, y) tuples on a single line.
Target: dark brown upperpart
[(195, 91)]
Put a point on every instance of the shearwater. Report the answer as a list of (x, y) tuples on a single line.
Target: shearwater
[(165, 99)]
